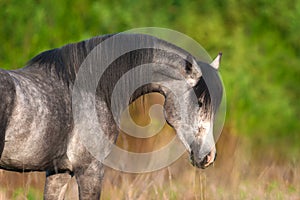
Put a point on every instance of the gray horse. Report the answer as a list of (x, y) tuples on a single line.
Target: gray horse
[(37, 128)]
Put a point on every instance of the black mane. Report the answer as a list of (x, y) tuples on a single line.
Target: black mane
[(209, 88), (65, 62), (67, 59)]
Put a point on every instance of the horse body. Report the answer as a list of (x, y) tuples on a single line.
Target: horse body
[(38, 134), (37, 130), (35, 124)]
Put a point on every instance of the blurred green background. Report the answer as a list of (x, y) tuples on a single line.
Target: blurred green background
[(259, 39)]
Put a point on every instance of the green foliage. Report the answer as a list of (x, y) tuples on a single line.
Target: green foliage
[(30, 194), (260, 41)]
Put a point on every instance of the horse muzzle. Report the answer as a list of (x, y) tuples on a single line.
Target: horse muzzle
[(205, 161)]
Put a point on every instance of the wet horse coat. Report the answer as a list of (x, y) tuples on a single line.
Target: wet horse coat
[(36, 121)]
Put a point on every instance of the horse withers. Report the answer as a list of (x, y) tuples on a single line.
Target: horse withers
[(37, 127)]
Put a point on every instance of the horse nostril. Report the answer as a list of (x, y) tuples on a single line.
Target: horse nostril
[(208, 160), (203, 163), (205, 160), (215, 157)]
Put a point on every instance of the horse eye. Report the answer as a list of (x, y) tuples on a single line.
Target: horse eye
[(200, 103)]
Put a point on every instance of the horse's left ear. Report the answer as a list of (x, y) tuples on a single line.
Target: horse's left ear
[(216, 63)]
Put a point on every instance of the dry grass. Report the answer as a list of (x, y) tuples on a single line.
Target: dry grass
[(235, 175), (239, 173)]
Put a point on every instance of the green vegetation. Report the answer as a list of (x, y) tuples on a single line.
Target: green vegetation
[(30, 194), (260, 67), (260, 41)]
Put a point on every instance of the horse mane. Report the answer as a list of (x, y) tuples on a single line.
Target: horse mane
[(65, 61), (209, 88)]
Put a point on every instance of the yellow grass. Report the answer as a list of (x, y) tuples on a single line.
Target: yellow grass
[(240, 172), (235, 175)]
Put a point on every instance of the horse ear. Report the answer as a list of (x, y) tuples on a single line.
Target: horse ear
[(216, 63)]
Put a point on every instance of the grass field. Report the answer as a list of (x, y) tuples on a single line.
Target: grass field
[(237, 174), (259, 149), (240, 172)]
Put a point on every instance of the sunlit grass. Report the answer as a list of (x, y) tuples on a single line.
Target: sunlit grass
[(234, 176), (239, 173)]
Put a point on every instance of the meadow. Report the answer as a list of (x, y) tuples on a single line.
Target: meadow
[(259, 148)]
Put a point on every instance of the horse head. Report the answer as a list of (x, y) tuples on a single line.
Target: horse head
[(195, 126)]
